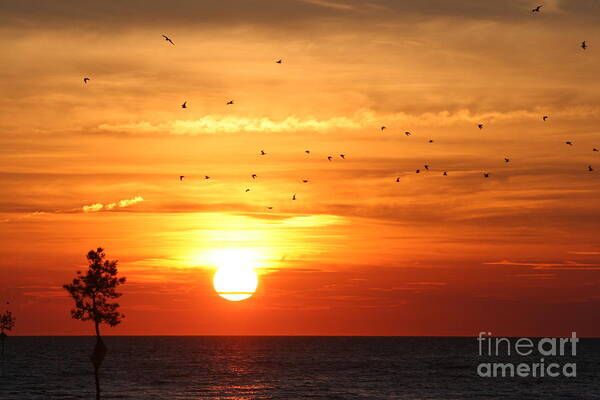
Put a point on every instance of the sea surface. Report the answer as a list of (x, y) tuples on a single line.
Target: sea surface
[(200, 367)]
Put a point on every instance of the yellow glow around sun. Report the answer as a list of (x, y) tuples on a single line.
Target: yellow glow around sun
[(235, 278)]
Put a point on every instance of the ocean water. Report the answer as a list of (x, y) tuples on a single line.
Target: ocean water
[(239, 368)]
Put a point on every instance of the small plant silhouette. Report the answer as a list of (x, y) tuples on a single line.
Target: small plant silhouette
[(7, 322), (92, 292)]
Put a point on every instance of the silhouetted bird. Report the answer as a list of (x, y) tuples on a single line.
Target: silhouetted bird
[(584, 45), (480, 126), (253, 176), (486, 175), (168, 40), (329, 158), (445, 173), (279, 61), (506, 159), (262, 153), (426, 167), (307, 151), (206, 177), (269, 208), (430, 140), (184, 105), (594, 149), (230, 102), (294, 196), (304, 180), (537, 9), (343, 156), (590, 168), (569, 143), (247, 190), (407, 133), (181, 177), (397, 179), (545, 117), (383, 127), (418, 171), (85, 80)]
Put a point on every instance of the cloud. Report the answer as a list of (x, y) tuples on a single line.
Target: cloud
[(111, 14), (24, 216), (120, 204), (568, 265), (92, 207), (213, 124), (331, 4), (229, 124)]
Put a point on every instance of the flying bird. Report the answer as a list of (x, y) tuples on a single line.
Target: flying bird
[(329, 158), (304, 180), (262, 153), (594, 149), (269, 208), (230, 102), (397, 179), (206, 177), (383, 127), (480, 126), (506, 159), (279, 61), (426, 167), (545, 117), (407, 133), (590, 168), (569, 143), (85, 80), (307, 151), (537, 9), (168, 40), (418, 171), (343, 156), (445, 173), (584, 45), (181, 177), (184, 105), (430, 140), (253, 176), (247, 190), (486, 175), (294, 196)]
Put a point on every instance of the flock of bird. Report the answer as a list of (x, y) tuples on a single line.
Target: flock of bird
[(480, 126)]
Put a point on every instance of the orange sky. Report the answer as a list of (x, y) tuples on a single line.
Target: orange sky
[(83, 166)]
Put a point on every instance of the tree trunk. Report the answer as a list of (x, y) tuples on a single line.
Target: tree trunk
[(97, 359)]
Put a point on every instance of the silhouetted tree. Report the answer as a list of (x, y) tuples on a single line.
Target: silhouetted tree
[(93, 292), (7, 322)]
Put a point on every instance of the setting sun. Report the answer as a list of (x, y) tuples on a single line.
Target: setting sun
[(235, 283), (235, 279)]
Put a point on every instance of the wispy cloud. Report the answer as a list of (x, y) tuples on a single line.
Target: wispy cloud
[(213, 124), (567, 265), (331, 4), (89, 208), (229, 124), (119, 204)]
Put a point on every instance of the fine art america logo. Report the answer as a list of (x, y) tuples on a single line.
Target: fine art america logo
[(501, 347)]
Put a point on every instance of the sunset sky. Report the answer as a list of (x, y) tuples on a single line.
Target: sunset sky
[(98, 164)]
